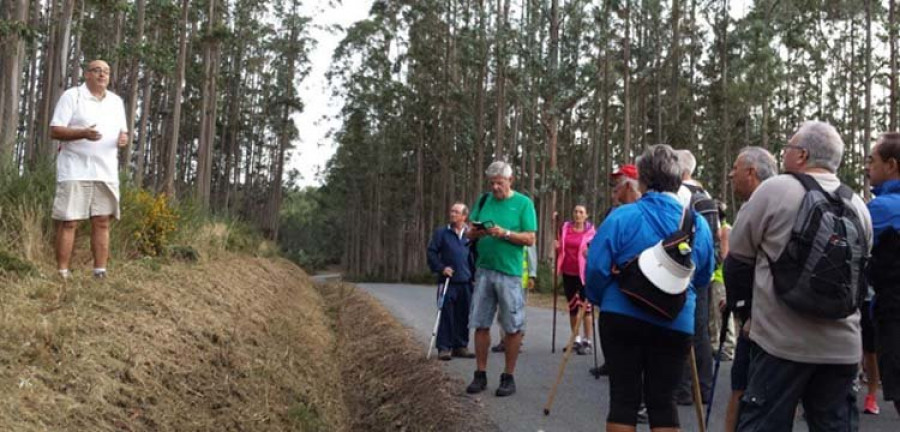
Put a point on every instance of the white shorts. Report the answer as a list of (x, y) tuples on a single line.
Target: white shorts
[(80, 200)]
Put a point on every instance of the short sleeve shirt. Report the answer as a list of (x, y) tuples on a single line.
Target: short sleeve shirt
[(516, 214), (84, 159)]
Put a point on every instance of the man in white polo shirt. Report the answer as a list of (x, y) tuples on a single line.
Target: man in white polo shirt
[(90, 124)]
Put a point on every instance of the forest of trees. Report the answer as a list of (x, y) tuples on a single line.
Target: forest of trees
[(432, 91), (564, 90), (209, 87)]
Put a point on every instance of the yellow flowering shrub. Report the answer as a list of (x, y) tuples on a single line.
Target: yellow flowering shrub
[(154, 221)]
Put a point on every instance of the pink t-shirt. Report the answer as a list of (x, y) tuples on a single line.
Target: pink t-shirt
[(573, 246)]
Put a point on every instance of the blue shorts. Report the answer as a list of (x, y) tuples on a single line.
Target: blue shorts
[(492, 290)]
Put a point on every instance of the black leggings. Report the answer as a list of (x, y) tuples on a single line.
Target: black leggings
[(574, 290), (646, 359)]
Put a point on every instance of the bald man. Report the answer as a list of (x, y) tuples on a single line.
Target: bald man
[(89, 123)]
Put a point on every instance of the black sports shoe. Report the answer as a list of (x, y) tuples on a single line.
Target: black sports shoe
[(642, 416), (479, 383), (507, 385), (575, 346), (499, 347), (602, 370)]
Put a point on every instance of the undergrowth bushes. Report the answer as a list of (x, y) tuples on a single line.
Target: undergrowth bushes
[(151, 225)]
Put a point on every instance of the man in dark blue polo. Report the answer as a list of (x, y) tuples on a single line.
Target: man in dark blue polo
[(449, 256)]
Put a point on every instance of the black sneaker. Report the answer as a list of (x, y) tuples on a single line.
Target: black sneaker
[(498, 348), (642, 416), (583, 349), (479, 383), (507, 385), (602, 370), (575, 346)]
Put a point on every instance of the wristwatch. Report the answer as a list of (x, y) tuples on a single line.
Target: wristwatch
[(506, 236)]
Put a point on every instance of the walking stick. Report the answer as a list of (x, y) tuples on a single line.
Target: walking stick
[(555, 253), (595, 327), (726, 315), (562, 366), (437, 321), (698, 399)]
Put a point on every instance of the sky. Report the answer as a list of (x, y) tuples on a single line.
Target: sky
[(314, 147)]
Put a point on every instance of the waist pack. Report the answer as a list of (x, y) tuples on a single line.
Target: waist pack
[(657, 279), (821, 273)]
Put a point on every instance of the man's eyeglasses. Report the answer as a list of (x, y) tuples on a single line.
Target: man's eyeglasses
[(98, 71)]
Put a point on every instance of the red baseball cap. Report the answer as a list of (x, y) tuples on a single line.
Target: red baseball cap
[(628, 170)]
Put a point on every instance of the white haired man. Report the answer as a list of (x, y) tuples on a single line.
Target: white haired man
[(503, 222), (691, 194), (807, 340)]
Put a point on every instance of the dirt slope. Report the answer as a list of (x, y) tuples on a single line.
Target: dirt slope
[(235, 344), (388, 384)]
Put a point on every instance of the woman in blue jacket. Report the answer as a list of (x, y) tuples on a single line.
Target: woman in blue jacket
[(646, 354)]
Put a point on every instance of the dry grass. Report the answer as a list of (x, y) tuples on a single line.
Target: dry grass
[(390, 386), (235, 344)]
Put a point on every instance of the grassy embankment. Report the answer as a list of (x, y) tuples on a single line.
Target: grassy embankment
[(197, 327)]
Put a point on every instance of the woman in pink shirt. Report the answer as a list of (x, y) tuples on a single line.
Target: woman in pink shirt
[(571, 254)]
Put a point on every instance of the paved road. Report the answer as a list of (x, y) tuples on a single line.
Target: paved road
[(581, 402)]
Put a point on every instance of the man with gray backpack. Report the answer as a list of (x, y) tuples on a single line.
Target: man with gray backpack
[(808, 237)]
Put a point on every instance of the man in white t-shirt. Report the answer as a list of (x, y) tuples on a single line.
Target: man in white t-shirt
[(89, 122)]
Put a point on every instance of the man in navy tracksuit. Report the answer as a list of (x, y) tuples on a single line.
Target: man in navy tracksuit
[(449, 256), (883, 169)]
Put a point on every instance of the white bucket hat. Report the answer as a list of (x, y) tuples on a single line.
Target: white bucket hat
[(663, 271)]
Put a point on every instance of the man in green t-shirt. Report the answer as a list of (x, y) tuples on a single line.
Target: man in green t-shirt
[(504, 222)]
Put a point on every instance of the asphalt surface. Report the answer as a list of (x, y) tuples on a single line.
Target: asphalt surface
[(581, 401)]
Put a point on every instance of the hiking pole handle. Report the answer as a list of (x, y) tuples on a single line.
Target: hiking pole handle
[(562, 366)]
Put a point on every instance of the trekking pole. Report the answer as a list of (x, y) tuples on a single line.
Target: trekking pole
[(437, 321), (698, 399), (562, 366), (726, 315), (595, 327), (553, 267)]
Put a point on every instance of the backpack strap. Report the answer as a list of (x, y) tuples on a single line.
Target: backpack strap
[(481, 202)]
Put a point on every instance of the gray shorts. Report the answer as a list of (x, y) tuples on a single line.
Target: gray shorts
[(492, 290), (80, 200)]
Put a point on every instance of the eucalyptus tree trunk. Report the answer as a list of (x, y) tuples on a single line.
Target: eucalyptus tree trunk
[(12, 59), (208, 113), (892, 43), (867, 117), (125, 161), (177, 88)]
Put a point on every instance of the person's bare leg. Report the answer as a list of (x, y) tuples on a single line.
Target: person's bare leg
[(100, 240), (482, 345), (572, 321), (616, 427), (731, 413), (871, 363), (513, 342), (665, 429), (65, 242)]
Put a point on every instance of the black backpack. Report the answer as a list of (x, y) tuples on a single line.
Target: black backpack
[(821, 272), (707, 207), (642, 291)]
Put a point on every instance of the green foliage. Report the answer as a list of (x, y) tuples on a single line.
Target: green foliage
[(12, 264), (308, 228)]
